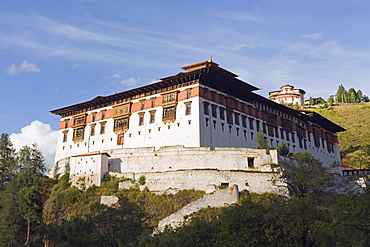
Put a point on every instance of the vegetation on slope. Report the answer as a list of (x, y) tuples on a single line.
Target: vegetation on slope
[(354, 142)]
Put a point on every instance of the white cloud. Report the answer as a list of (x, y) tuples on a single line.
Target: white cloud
[(116, 76), (24, 67), (237, 47), (76, 65), (313, 36), (41, 134), (130, 82), (335, 47)]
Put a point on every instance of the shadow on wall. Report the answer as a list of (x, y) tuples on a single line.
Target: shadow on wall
[(114, 165)]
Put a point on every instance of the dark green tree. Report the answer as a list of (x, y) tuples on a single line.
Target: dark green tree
[(261, 140), (341, 95), (22, 199), (304, 174), (365, 99), (331, 100), (311, 101), (352, 96), (360, 96), (8, 164), (283, 149), (320, 100)]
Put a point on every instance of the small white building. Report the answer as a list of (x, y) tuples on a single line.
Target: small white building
[(288, 96)]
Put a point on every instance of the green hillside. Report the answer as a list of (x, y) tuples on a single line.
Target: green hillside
[(354, 142)]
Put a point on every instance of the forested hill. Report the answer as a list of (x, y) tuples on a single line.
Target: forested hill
[(354, 142)]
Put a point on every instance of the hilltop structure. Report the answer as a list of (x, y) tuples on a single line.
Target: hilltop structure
[(187, 131), (288, 96)]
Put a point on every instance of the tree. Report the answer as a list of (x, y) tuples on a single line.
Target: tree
[(311, 101), (341, 94), (304, 174), (22, 200), (320, 100), (352, 96), (365, 99), (331, 100), (8, 164), (296, 106), (283, 149), (261, 140), (360, 96)]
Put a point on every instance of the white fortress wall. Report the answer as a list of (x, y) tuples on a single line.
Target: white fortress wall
[(199, 179), (178, 158), (178, 168)]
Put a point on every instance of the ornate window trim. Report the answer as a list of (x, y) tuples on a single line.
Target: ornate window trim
[(169, 113), (121, 124)]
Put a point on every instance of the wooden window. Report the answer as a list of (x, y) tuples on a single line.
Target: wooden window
[(78, 134), (188, 93), (251, 120), (213, 96), (120, 139), (271, 119), (222, 113), (92, 130), (152, 117), (153, 102), (80, 120), (65, 135), (169, 113), (222, 99), (102, 127), (93, 117), (142, 104), (169, 98), (205, 106), (230, 103), (229, 117), (214, 110), (244, 121), (236, 116), (187, 108), (66, 122), (141, 118), (271, 130), (121, 110), (121, 124), (287, 125), (103, 114), (205, 92)]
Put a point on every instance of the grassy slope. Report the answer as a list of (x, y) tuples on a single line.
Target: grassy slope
[(355, 119)]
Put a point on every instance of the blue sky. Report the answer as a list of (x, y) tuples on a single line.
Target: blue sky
[(58, 53)]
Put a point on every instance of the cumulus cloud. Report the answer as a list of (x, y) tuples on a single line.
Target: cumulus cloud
[(237, 47), (312, 36), (41, 134), (24, 67), (334, 46), (130, 82)]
